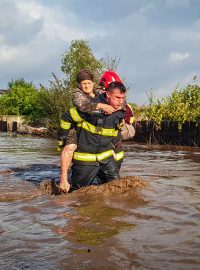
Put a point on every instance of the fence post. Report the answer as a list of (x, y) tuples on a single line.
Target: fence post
[(3, 126), (169, 133), (198, 134), (14, 126)]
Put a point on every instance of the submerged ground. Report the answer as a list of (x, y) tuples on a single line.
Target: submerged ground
[(150, 227)]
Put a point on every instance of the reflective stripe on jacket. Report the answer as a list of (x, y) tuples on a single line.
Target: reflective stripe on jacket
[(92, 157), (119, 155), (96, 134)]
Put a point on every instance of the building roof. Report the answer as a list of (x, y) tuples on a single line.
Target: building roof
[(3, 91)]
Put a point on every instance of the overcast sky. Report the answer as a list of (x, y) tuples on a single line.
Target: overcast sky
[(157, 41)]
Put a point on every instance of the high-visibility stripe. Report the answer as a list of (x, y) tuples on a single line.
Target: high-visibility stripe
[(75, 116), (92, 157), (91, 128), (119, 155), (104, 155), (98, 130), (131, 120), (65, 124), (59, 145)]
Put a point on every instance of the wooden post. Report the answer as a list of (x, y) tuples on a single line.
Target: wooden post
[(14, 126), (3, 126)]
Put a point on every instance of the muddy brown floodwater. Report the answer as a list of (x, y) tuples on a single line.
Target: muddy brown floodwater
[(154, 225)]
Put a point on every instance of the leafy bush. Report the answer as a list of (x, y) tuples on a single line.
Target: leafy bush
[(54, 101), (182, 105), (21, 99)]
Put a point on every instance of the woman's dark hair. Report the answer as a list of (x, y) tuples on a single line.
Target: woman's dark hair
[(116, 85), (85, 74)]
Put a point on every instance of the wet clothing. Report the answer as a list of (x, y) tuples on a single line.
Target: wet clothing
[(128, 130), (72, 137), (88, 104), (97, 135), (94, 174), (119, 154), (129, 118), (84, 103)]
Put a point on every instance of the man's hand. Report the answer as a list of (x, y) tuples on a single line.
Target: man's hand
[(64, 186)]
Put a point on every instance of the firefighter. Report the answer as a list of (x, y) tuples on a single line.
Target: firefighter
[(85, 104), (84, 99), (97, 135), (127, 129)]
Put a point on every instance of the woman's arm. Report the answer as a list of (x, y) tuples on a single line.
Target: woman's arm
[(87, 104)]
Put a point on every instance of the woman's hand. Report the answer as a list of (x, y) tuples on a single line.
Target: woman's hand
[(108, 109)]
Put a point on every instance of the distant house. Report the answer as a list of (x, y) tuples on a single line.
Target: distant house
[(3, 91)]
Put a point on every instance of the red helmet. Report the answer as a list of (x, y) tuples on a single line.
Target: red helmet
[(109, 77)]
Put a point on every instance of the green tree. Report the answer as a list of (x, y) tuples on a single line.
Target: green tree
[(110, 63), (137, 110), (21, 99), (54, 101), (48, 103), (155, 110), (191, 94), (80, 56)]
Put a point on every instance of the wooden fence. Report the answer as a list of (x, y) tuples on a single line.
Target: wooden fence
[(4, 126), (169, 132), (11, 123)]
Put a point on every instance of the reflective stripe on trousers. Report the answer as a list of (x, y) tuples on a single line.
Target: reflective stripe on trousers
[(119, 156)]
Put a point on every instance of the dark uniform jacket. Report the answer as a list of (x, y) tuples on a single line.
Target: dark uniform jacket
[(96, 133)]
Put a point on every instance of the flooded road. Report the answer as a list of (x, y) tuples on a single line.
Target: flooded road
[(157, 227)]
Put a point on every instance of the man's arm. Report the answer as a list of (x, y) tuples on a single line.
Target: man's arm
[(65, 131), (65, 159)]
